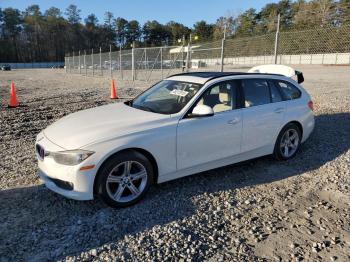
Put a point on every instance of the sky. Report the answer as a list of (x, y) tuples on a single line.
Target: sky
[(183, 11)]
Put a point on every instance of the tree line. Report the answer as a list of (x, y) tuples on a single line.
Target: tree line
[(33, 35)]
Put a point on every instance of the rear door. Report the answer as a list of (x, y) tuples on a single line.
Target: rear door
[(263, 114)]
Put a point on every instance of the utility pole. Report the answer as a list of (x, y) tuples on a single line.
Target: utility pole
[(222, 50), (277, 36)]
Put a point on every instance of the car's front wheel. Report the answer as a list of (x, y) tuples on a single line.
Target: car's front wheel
[(124, 179), (288, 142)]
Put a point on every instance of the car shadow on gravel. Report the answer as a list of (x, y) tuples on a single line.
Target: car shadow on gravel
[(39, 224)]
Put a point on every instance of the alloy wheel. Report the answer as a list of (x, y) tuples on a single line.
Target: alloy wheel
[(126, 181), (289, 142)]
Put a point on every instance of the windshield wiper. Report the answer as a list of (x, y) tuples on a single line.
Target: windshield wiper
[(145, 108)]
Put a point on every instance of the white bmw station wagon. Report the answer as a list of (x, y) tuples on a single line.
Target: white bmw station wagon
[(185, 124)]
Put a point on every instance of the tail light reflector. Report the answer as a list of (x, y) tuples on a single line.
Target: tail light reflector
[(310, 104)]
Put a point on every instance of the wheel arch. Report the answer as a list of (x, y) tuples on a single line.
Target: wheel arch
[(142, 151), (299, 125)]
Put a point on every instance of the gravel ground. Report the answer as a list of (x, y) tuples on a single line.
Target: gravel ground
[(259, 210)]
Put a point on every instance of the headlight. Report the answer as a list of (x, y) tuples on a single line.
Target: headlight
[(70, 157)]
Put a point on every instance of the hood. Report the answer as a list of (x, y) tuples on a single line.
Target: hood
[(100, 123)]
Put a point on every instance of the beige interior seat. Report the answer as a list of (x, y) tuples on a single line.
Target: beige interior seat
[(224, 100), (219, 102)]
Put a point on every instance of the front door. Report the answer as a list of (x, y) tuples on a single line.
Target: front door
[(205, 139)]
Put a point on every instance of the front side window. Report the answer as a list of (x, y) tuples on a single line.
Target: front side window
[(220, 97), (166, 97), (256, 92), (289, 91)]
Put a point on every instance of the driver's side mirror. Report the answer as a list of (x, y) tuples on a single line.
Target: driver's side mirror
[(201, 111)]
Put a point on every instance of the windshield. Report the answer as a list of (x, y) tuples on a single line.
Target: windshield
[(166, 97)]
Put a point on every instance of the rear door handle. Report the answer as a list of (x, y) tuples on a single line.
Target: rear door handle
[(279, 110), (233, 121)]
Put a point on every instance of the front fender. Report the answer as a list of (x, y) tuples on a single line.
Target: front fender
[(160, 142)]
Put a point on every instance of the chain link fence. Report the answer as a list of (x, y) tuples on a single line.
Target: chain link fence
[(145, 64), (329, 45)]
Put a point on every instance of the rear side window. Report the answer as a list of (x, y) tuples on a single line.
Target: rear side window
[(289, 91), (276, 95), (256, 92)]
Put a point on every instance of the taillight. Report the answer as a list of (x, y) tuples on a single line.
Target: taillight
[(310, 104)]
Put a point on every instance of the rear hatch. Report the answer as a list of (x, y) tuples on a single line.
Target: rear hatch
[(279, 70)]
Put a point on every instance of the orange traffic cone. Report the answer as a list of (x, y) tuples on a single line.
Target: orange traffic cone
[(13, 98), (113, 91)]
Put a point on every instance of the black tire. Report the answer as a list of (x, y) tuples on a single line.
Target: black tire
[(109, 165), (278, 152)]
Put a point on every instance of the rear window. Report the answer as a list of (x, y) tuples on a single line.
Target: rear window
[(289, 91)]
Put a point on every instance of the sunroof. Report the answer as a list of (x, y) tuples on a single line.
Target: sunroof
[(211, 74)]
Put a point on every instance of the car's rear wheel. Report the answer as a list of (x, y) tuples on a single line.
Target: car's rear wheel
[(288, 142), (124, 179)]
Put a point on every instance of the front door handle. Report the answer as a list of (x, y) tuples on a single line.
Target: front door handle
[(233, 121), (279, 110)]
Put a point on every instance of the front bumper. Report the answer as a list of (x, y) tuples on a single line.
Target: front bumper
[(68, 181), (73, 194)]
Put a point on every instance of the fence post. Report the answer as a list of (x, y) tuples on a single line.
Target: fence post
[(110, 60), (65, 63), (188, 54), (222, 50), (79, 63), (188, 57), (69, 64), (336, 58), (133, 62), (85, 63), (146, 60), (92, 61), (161, 61), (101, 61), (120, 62), (73, 62), (182, 53), (277, 36)]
